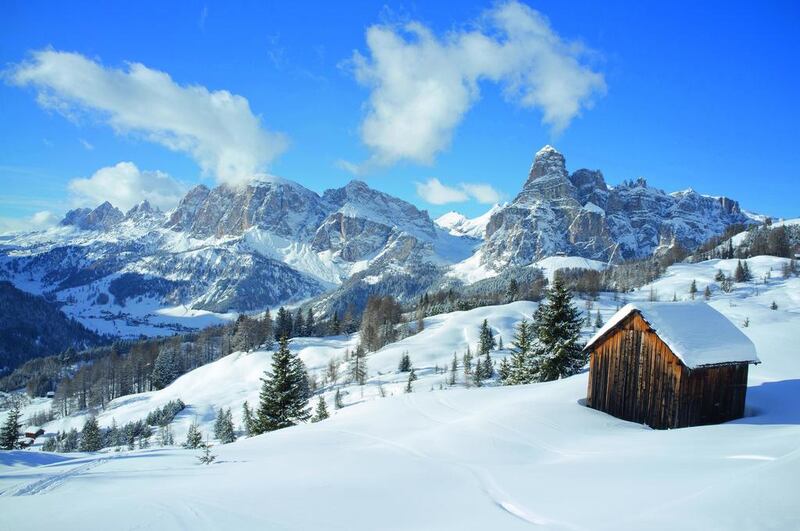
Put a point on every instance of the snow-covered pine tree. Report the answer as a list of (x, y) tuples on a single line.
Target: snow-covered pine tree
[(223, 427), (337, 400), (467, 362), (205, 457), (598, 322), (91, 438), (405, 363), (358, 365), (707, 293), (267, 331), (557, 328), (166, 368), (336, 325), (9, 433), (504, 370), (720, 276), (488, 366), (486, 339), (453, 370), (412, 376), (248, 422), (520, 370), (693, 289), (284, 391), (165, 436), (193, 437), (477, 374), (321, 412)]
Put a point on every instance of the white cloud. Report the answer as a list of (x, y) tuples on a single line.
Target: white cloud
[(216, 128), (436, 193), (124, 186), (38, 221), (422, 85), (482, 193), (86, 144)]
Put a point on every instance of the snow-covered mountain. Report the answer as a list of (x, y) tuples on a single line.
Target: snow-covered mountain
[(273, 241), (579, 214), (267, 243)]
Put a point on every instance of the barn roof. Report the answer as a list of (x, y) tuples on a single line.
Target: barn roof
[(694, 331)]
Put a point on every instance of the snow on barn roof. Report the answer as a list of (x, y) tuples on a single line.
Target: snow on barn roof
[(694, 331)]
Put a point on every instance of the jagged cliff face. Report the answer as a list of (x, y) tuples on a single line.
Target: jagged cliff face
[(274, 242), (579, 214), (267, 243)]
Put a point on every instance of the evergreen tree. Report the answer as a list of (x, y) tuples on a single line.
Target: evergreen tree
[(284, 391), (500, 343), (486, 339), (453, 370), (311, 325), (512, 291), (358, 365), (193, 437), (223, 427), (299, 324), (504, 371), (337, 400), (247, 420), (467, 362), (773, 306), (488, 366), (283, 323), (521, 369), (693, 289), (166, 368), (205, 457), (91, 438), (405, 363), (598, 322), (720, 276), (321, 413), (557, 328), (742, 272), (267, 331), (412, 376), (478, 375), (9, 433), (707, 293)]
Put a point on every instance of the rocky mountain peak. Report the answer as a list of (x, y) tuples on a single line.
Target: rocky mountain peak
[(142, 211), (548, 162), (103, 217)]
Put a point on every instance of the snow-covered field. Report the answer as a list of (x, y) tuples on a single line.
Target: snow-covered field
[(489, 458)]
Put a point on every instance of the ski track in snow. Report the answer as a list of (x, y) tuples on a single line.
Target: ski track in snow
[(49, 483)]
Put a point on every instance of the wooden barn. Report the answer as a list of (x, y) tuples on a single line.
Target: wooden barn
[(669, 365)]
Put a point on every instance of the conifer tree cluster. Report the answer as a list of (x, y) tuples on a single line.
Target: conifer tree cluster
[(224, 431), (284, 392), (549, 348), (405, 363), (91, 438)]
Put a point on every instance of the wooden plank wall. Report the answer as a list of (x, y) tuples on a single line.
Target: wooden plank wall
[(633, 375)]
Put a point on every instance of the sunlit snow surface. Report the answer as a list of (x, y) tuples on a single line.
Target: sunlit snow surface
[(490, 458)]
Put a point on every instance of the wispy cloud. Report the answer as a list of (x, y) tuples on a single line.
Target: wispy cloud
[(433, 191), (422, 84), (216, 128), (124, 185)]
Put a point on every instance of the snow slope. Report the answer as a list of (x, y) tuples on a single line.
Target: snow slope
[(490, 458)]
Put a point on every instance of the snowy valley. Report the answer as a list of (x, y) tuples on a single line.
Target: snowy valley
[(448, 455)]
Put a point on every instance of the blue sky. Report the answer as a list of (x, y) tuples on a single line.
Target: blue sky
[(700, 95)]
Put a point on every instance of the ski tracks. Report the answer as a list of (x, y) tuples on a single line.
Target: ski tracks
[(49, 483)]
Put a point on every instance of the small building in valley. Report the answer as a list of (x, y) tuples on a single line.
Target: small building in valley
[(669, 365)]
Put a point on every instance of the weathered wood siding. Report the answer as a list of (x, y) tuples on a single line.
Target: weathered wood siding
[(634, 375)]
